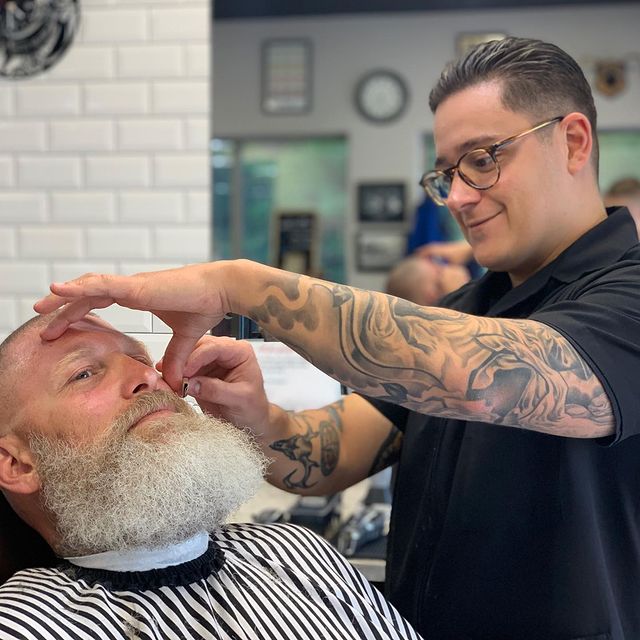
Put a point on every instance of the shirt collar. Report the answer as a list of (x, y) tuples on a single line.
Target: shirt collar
[(599, 247), (142, 559)]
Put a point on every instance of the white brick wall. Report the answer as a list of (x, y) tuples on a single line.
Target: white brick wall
[(104, 162)]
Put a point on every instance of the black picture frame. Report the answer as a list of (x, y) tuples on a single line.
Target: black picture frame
[(296, 241), (382, 202), (286, 69), (379, 250)]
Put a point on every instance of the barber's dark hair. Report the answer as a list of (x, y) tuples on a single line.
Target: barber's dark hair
[(537, 78)]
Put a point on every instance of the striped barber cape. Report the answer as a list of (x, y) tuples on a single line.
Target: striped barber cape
[(254, 582)]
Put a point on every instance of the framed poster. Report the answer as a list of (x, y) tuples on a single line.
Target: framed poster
[(381, 202), (296, 241), (286, 76), (465, 41), (379, 250)]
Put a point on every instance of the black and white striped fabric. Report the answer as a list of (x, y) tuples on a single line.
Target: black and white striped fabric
[(277, 581)]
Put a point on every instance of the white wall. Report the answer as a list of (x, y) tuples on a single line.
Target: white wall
[(417, 45), (104, 162)]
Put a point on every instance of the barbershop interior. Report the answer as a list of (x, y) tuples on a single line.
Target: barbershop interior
[(140, 135)]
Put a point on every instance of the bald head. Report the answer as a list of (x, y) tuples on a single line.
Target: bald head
[(13, 360), (625, 192), (423, 281)]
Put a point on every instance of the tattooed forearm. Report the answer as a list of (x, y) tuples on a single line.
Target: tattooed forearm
[(440, 362), (300, 447), (388, 453)]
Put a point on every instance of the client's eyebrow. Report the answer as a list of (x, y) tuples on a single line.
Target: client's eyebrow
[(81, 352), (70, 358)]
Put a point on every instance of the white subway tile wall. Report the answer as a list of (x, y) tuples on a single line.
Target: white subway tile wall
[(104, 161)]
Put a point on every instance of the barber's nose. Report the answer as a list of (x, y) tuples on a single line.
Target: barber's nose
[(138, 377), (461, 194)]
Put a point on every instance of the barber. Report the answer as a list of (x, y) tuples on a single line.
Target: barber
[(516, 498)]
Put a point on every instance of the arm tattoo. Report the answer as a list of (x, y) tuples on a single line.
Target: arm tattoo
[(388, 453), (299, 448), (437, 361)]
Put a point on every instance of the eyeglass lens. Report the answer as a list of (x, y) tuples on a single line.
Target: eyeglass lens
[(477, 168)]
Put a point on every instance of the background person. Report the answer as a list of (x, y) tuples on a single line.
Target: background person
[(517, 484), (424, 281), (625, 193), (131, 486)]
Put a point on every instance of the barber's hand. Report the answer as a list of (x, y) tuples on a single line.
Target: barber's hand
[(191, 300), (226, 381), (455, 252)]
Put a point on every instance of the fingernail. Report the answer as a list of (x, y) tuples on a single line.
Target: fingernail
[(195, 389)]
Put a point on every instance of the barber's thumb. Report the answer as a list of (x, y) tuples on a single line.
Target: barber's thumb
[(203, 388)]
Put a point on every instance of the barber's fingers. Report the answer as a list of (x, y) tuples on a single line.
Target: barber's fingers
[(175, 357), (225, 353), (73, 311), (215, 353), (120, 288), (236, 402)]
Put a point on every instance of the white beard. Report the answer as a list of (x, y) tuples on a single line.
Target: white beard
[(125, 491)]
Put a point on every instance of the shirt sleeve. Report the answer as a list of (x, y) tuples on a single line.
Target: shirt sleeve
[(602, 321)]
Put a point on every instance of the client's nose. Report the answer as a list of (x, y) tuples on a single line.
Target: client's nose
[(139, 377)]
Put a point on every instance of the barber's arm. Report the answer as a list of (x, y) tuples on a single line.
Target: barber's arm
[(313, 452), (518, 373)]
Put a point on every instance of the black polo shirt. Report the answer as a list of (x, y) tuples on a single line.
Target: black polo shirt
[(499, 532)]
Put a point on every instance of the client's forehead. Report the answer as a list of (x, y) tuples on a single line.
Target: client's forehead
[(90, 332)]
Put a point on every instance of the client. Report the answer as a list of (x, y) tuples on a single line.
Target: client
[(130, 487)]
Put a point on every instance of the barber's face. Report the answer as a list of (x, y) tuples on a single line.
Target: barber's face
[(76, 386), (511, 226)]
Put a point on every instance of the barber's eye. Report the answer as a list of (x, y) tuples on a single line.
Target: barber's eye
[(83, 375)]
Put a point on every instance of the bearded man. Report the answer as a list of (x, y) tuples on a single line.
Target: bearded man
[(130, 487)]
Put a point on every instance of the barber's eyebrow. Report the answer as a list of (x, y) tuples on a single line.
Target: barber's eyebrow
[(469, 145)]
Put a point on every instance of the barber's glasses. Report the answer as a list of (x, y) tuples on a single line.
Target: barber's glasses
[(478, 168)]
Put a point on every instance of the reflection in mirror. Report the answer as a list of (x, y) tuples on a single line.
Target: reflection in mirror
[(255, 181)]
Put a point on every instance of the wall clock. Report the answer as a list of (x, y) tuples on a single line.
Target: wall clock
[(381, 96), (34, 34)]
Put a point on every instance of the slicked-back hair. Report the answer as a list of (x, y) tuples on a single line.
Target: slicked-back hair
[(537, 78)]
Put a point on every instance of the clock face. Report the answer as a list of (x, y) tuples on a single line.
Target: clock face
[(381, 96), (34, 34)]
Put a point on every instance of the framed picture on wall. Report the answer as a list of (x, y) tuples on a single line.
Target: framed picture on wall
[(465, 41), (381, 202), (286, 76), (379, 250), (296, 241)]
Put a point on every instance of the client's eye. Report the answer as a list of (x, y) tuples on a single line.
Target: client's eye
[(82, 375)]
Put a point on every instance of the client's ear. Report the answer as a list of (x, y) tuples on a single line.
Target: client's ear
[(17, 472)]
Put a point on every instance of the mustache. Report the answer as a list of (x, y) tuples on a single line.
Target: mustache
[(148, 403)]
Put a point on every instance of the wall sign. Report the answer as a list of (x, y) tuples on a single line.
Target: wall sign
[(286, 76), (296, 241), (381, 202)]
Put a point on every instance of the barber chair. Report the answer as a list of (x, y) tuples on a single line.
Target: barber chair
[(20, 545)]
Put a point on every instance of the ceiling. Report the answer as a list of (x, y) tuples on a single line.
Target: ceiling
[(236, 9)]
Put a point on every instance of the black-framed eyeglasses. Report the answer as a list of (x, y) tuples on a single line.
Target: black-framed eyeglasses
[(479, 168)]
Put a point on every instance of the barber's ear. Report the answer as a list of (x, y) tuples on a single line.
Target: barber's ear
[(579, 141), (17, 471)]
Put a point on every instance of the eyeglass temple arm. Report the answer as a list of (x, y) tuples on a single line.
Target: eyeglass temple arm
[(508, 141)]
